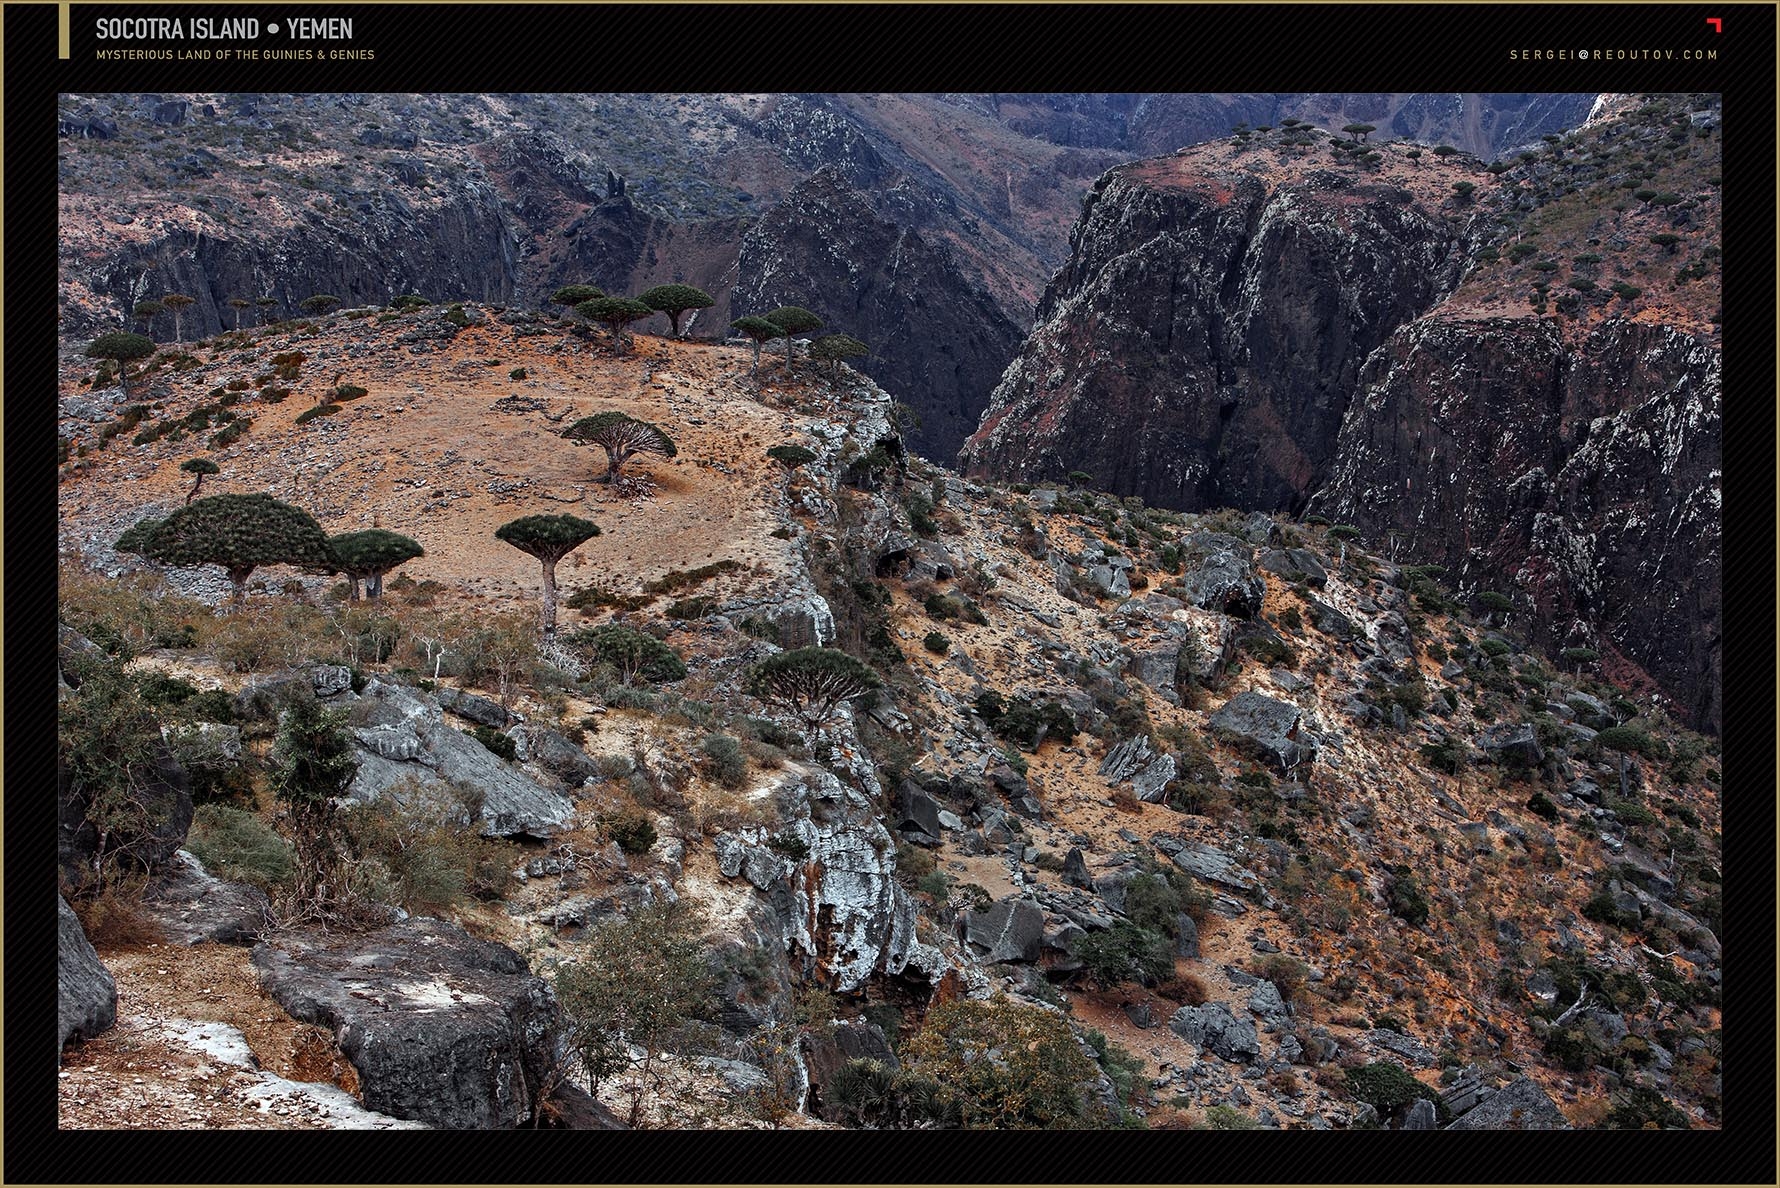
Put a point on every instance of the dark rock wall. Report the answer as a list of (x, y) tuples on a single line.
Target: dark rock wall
[(1582, 479), (938, 341)]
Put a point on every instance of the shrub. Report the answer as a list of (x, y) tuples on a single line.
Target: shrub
[(936, 643), (1126, 953), (1644, 1108), (1406, 897), (1542, 805), (1387, 1087), (237, 845), (633, 831), (1002, 1065), (495, 741), (347, 392), (725, 761), (518, 373), (320, 410)]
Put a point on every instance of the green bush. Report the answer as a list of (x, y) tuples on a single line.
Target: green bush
[(725, 760), (633, 831), (237, 845), (1643, 1108), (936, 643), (1126, 953), (1388, 1087), (1542, 805), (518, 373), (496, 742), (1406, 897), (320, 410), (347, 392), (158, 688)]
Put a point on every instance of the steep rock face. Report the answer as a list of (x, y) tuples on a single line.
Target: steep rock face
[(1580, 477), (86, 995), (376, 249), (829, 876), (938, 341), (1200, 346)]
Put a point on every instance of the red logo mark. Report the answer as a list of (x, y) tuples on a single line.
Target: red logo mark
[(1717, 24)]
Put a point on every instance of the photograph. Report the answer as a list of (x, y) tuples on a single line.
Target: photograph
[(759, 610)]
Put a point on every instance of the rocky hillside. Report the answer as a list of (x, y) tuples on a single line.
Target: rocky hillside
[(1226, 821), (1510, 371), (950, 202)]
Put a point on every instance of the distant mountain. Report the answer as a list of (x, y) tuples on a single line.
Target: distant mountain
[(505, 197)]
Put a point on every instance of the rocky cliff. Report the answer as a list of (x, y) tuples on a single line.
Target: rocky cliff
[(1514, 371), (937, 339), (1582, 478), (1199, 347)]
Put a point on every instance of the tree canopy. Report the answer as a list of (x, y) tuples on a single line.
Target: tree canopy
[(676, 300), (573, 295), (199, 467), (623, 437), (810, 683), (614, 312), (320, 303), (793, 320), (630, 652), (760, 330), (791, 456), (832, 348), (549, 539), (370, 554), (122, 346), (137, 535), (239, 533)]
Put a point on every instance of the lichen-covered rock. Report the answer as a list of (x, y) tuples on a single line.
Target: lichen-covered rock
[(86, 995), (1265, 727), (1215, 1028), (832, 883), (1512, 743), (1519, 1105), (1222, 578), (1009, 930), (441, 1027), (191, 906), (402, 739)]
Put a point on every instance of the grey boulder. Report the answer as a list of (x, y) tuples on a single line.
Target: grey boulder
[(1520, 1105), (1264, 727), (86, 995), (1224, 577), (191, 906), (1011, 930), (1513, 744), (442, 1028), (403, 741), (1215, 1028)]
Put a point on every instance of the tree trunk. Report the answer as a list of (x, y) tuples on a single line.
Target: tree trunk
[(790, 349), (674, 320), (193, 493), (756, 357), (374, 586), (239, 577), (123, 376), (613, 462), (352, 584), (548, 615)]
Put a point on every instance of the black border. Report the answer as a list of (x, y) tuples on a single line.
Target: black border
[(942, 47)]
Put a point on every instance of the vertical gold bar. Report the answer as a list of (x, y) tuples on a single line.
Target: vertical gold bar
[(62, 22)]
